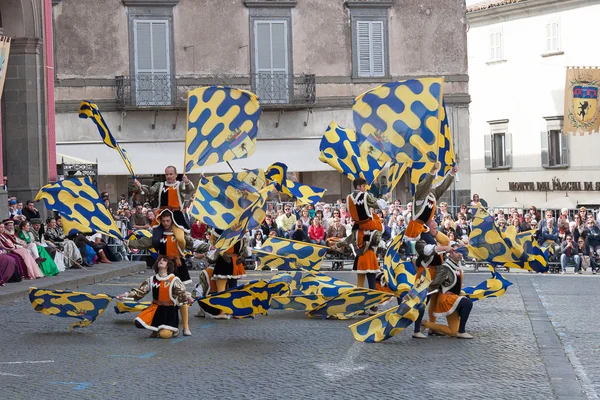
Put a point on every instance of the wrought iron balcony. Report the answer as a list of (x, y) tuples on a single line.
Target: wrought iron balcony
[(163, 91)]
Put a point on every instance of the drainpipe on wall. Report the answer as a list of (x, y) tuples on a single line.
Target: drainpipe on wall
[(50, 113)]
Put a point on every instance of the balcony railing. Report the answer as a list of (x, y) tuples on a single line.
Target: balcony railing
[(163, 91)]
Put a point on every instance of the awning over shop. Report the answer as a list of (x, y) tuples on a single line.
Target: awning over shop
[(67, 159), (150, 158)]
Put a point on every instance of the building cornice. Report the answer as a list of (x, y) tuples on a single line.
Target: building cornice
[(150, 3), (524, 9), (25, 45), (270, 3), (369, 3)]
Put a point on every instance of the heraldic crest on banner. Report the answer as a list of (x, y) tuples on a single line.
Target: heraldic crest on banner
[(582, 104)]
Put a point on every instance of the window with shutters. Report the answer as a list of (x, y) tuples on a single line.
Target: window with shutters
[(555, 149), (370, 39), (552, 36), (496, 45), (498, 146), (152, 81), (271, 80)]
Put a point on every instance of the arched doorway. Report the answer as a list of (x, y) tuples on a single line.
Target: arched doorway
[(24, 142)]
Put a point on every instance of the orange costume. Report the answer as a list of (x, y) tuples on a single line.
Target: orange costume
[(167, 293), (170, 196), (367, 230), (424, 203)]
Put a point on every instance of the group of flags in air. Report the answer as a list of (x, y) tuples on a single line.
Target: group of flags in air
[(400, 127)]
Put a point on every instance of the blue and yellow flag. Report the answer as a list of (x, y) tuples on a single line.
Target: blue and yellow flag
[(222, 124), (245, 300), (341, 151), (137, 234), (78, 201), (123, 307), (390, 175), (532, 256), (66, 304), (297, 302), (90, 110), (400, 120), (274, 261), (304, 194), (247, 220), (445, 156), (494, 287), (486, 242), (391, 322), (305, 255), (350, 303), (399, 275), (220, 198)]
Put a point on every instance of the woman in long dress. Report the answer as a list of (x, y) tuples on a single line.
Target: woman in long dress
[(47, 264), (9, 243), (9, 269)]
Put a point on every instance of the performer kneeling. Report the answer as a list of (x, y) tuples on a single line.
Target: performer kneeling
[(450, 304), (168, 292)]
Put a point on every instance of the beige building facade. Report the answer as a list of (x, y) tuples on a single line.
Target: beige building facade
[(305, 59)]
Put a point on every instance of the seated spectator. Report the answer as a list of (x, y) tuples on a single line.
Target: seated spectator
[(311, 211), (336, 232), (569, 255), (535, 214), (13, 211), (286, 222), (316, 232), (583, 214), (465, 211), (139, 220), (298, 233), (564, 214), (447, 224), (500, 216), (326, 212), (593, 236), (543, 222), (198, 230), (46, 263), (55, 235), (587, 255), (453, 238), (502, 224), (305, 218), (344, 215), (516, 223), (526, 226), (30, 211), (267, 226), (408, 212), (549, 235), (397, 226), (123, 203), (563, 230)]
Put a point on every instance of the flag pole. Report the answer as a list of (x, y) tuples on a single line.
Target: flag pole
[(232, 170)]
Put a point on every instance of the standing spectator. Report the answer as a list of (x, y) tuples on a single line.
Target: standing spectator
[(305, 218), (563, 230), (107, 205), (544, 222), (30, 211), (316, 232), (123, 202), (326, 212), (569, 255), (5, 185), (463, 230), (583, 214), (535, 214), (564, 213), (408, 212), (502, 224), (579, 228), (478, 201), (443, 212), (593, 236), (139, 220), (516, 223), (151, 216), (286, 222), (465, 211)]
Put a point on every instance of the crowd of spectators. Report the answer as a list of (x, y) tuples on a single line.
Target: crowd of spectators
[(574, 237)]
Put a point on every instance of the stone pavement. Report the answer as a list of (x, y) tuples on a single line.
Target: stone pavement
[(71, 279), (536, 342)]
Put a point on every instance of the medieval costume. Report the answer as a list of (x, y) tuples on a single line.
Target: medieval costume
[(170, 242), (450, 303), (424, 202), (168, 292), (29, 266), (48, 266), (171, 196), (427, 263), (57, 237), (366, 232), (10, 271)]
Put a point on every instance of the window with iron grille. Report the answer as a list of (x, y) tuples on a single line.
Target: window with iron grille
[(272, 76), (152, 74)]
